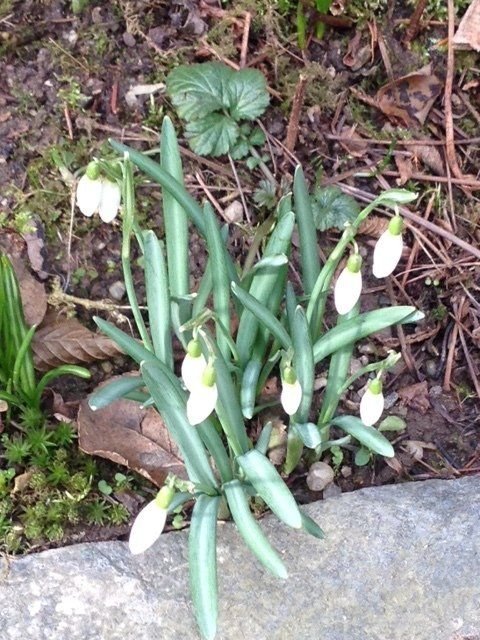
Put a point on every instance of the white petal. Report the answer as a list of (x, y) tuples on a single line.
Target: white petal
[(201, 403), (109, 201), (192, 370), (347, 290), (291, 397), (371, 407), (147, 527), (387, 254), (89, 194)]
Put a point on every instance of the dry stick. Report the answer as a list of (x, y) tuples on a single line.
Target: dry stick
[(451, 353), (414, 23), (239, 187), (405, 349), (294, 120), (471, 366), (399, 141), (449, 137), (209, 195), (246, 32), (421, 177), (385, 57), (68, 120), (416, 245)]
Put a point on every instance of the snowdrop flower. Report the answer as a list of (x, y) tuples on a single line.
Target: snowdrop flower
[(193, 365), (95, 193), (203, 397), (372, 403), (349, 285), (291, 395), (150, 522), (388, 250)]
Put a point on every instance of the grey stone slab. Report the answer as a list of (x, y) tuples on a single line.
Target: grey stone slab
[(399, 563)]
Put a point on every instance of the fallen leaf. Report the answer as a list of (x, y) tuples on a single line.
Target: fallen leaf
[(357, 56), (132, 436), (415, 448), (410, 97), (468, 32), (352, 142), (395, 464), (415, 396), (21, 481), (405, 167), (66, 341)]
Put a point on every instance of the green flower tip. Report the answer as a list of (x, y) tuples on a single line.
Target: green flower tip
[(395, 226), (354, 263), (289, 375), (164, 497), (194, 349), (93, 170), (209, 377), (375, 386)]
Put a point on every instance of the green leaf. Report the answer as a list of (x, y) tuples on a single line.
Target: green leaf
[(309, 259), (332, 208), (197, 90), (213, 135), (309, 434), (250, 530), (310, 526), (270, 487), (202, 561), (362, 457), (113, 391), (368, 436), (294, 450), (264, 439), (246, 94), (361, 327), (392, 423)]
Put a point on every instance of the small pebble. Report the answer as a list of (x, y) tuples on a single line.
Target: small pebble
[(331, 491), (234, 212), (117, 290), (319, 476)]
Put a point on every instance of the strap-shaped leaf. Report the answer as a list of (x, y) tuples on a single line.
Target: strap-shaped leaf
[(263, 314), (266, 287), (202, 561), (361, 327), (174, 216), (294, 450), (337, 373), (264, 439), (308, 432), (307, 231), (220, 276), (248, 390), (304, 364), (368, 436), (270, 487), (167, 400), (310, 526), (114, 390), (167, 181), (250, 530), (158, 298), (129, 345)]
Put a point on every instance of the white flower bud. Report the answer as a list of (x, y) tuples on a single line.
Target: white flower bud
[(89, 194), (348, 286), (109, 201), (372, 403)]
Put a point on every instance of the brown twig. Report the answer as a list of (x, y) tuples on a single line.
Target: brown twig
[(449, 136), (68, 120), (246, 33), (414, 23), (114, 98), (451, 354), (294, 120), (416, 245), (471, 367)]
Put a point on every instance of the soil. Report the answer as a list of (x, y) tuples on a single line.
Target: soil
[(65, 86)]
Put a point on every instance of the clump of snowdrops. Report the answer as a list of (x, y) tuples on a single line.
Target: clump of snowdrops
[(207, 405)]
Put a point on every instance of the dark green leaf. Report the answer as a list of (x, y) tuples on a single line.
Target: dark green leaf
[(212, 135), (197, 90), (332, 208), (246, 94)]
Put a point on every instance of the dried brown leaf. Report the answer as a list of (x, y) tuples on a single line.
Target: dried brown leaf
[(373, 226), (416, 396), (352, 142), (357, 55), (468, 32), (410, 97), (69, 342), (132, 436)]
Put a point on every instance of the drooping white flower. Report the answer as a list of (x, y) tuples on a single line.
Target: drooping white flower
[(193, 365), (109, 201), (372, 403), (89, 193), (388, 249), (203, 397), (150, 522), (349, 285), (95, 193), (291, 397)]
